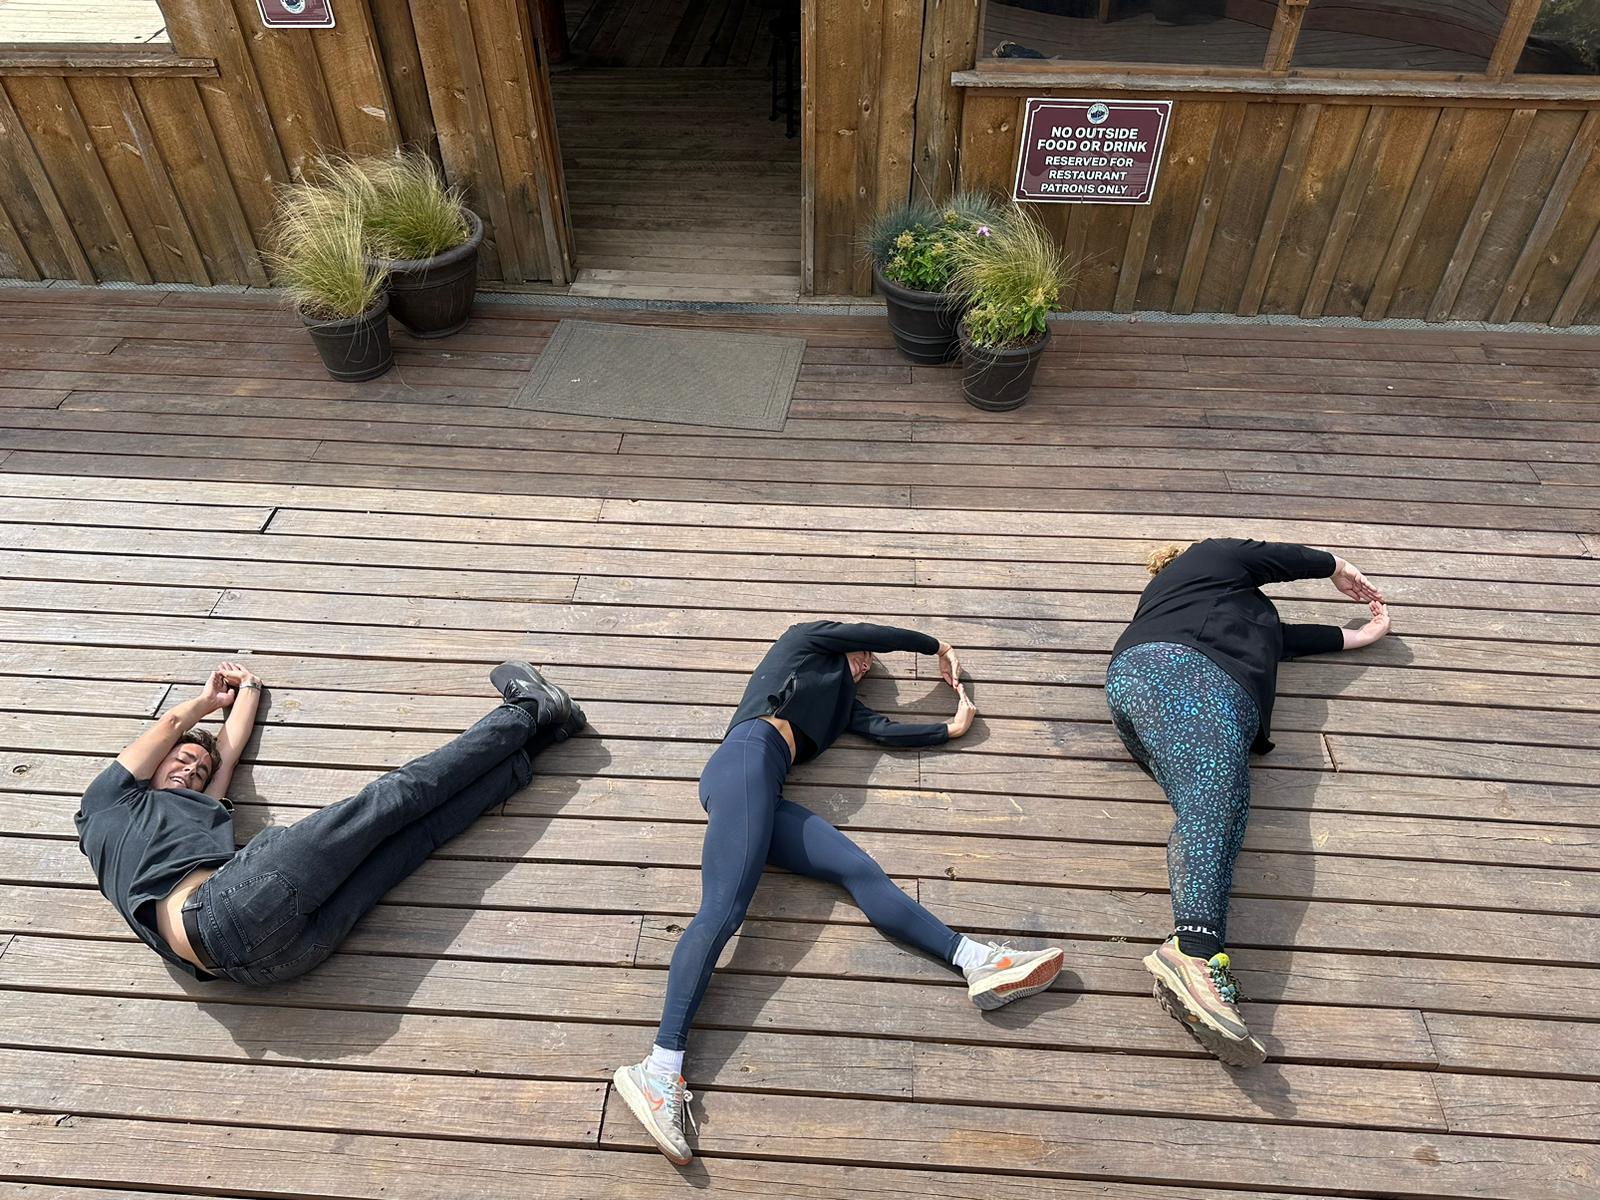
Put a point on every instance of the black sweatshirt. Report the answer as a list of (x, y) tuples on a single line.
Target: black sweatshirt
[(805, 680), (1209, 598)]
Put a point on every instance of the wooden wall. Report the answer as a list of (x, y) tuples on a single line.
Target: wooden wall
[(881, 119), (1333, 206), (160, 168)]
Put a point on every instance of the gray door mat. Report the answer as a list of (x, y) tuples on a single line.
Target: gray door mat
[(651, 373)]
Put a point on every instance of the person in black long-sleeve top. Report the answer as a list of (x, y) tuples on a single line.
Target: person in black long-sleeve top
[(1190, 688), (800, 699)]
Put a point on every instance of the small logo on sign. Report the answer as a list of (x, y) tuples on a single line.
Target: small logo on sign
[(294, 6), (1098, 114)]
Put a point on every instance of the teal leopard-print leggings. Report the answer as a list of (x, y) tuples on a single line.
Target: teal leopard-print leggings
[(1191, 726)]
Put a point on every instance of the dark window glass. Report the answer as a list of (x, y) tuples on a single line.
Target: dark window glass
[(1400, 35), (1565, 39), (1205, 33)]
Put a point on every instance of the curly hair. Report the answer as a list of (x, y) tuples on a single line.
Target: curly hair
[(1161, 558)]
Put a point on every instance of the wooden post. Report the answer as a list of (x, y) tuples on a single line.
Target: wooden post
[(1513, 37), (1285, 33), (550, 20)]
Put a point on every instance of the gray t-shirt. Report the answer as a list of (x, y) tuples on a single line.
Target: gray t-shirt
[(142, 841)]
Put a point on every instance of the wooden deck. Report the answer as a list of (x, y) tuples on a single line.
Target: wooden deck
[(680, 185), (1416, 905)]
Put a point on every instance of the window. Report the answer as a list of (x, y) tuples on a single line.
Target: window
[(1212, 33), (1565, 39), (42, 24), (1400, 35), (1443, 38)]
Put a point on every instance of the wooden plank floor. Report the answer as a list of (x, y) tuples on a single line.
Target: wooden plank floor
[(680, 186), (38, 23), (672, 33), (1417, 914)]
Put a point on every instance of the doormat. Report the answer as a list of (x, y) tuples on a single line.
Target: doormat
[(682, 376)]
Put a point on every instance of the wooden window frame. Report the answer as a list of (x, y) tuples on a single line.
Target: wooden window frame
[(1277, 64), (100, 58)]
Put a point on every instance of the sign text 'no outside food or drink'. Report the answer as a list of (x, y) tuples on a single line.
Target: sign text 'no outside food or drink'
[(1091, 151)]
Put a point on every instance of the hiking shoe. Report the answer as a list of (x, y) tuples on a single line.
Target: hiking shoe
[(1008, 975), (1202, 995), (661, 1105), (521, 684)]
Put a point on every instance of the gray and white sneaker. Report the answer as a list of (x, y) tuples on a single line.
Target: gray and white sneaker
[(1008, 975), (661, 1105)]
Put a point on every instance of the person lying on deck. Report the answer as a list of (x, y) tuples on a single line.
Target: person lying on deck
[(1190, 688), (800, 699), (158, 829)]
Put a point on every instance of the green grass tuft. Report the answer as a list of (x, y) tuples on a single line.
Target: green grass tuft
[(319, 255), (1012, 279)]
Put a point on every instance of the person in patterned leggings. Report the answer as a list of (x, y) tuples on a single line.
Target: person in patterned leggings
[(1190, 688)]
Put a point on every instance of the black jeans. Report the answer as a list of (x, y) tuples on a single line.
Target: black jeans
[(288, 898)]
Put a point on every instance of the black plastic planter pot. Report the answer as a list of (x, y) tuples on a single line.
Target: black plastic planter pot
[(999, 380), (432, 297), (923, 323), (354, 348)]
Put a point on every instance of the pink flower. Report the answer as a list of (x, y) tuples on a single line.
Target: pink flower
[(983, 231)]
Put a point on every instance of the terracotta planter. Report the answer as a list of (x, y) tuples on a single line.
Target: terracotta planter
[(354, 348), (1000, 380), (923, 323), (432, 297)]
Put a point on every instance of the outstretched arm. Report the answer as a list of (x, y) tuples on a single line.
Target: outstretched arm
[(881, 729), (1302, 640), (236, 729), (837, 637), (145, 753)]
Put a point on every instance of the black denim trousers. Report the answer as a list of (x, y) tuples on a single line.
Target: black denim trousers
[(288, 898)]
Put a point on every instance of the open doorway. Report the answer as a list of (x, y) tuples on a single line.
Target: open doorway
[(680, 133)]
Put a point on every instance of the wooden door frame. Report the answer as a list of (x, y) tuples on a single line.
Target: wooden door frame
[(808, 142)]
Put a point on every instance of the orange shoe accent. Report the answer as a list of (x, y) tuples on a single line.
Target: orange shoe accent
[(1002, 964), (655, 1103)]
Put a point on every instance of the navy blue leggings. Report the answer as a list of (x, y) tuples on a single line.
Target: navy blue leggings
[(750, 825), (1191, 726)]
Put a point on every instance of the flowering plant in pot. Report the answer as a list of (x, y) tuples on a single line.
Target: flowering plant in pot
[(319, 261), (1012, 280), (914, 249), (419, 234)]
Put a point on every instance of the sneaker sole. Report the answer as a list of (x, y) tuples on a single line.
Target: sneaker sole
[(1173, 982), (640, 1108), (1245, 1054), (1000, 990)]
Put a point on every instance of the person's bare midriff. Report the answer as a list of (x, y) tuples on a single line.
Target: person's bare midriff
[(169, 914), (786, 730)]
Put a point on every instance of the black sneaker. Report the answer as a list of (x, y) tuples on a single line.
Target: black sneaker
[(521, 684), (544, 737)]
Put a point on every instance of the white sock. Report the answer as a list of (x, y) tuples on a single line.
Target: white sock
[(970, 954), (664, 1062)]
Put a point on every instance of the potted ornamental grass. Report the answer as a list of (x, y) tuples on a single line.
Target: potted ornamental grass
[(1011, 277), (419, 235), (320, 261), (914, 253)]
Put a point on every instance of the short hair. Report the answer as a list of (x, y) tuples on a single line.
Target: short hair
[(206, 742), (1161, 558)]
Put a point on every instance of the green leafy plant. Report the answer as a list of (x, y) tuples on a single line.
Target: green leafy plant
[(916, 245), (1012, 276), (319, 255)]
